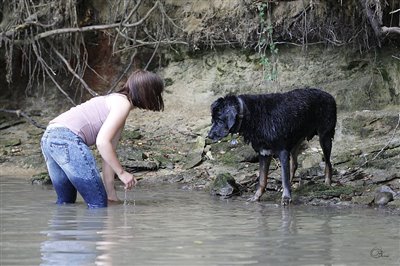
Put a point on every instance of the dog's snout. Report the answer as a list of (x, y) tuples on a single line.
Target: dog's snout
[(213, 134), (210, 135)]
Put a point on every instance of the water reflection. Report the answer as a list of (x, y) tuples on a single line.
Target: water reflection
[(310, 240), (282, 236), (74, 237), (163, 225)]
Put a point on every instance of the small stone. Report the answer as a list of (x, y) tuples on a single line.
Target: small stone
[(224, 185), (395, 203), (382, 198), (363, 200), (345, 197)]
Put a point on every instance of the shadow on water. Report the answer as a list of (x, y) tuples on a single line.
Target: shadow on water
[(164, 225)]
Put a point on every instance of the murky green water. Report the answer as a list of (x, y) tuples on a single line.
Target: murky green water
[(163, 225)]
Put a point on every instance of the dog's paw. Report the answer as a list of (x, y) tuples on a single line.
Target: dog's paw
[(328, 182), (254, 198), (286, 201)]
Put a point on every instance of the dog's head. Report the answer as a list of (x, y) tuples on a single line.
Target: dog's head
[(224, 112)]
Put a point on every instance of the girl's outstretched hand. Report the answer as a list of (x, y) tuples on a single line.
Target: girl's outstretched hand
[(128, 180)]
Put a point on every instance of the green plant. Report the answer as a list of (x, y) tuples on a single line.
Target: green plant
[(266, 42)]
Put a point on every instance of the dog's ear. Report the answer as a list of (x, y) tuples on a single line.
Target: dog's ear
[(231, 117), (216, 103)]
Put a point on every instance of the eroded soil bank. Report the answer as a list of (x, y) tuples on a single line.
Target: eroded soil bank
[(171, 146)]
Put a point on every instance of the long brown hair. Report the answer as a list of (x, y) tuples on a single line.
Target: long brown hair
[(144, 90)]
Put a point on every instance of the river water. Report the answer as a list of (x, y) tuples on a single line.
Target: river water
[(165, 225)]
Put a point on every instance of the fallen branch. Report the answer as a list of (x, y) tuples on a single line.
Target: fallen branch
[(46, 34), (394, 11), (20, 113), (391, 30)]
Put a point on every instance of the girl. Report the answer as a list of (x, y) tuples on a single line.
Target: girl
[(100, 120)]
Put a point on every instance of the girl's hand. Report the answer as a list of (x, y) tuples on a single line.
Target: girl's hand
[(128, 180)]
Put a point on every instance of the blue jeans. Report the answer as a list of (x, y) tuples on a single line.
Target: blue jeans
[(72, 167)]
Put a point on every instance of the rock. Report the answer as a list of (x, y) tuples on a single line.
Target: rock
[(11, 123), (10, 142), (41, 179), (382, 198), (164, 161), (136, 155), (131, 134), (345, 197), (224, 185), (195, 155), (386, 189), (395, 203), (381, 176), (209, 156), (311, 160), (140, 165), (247, 154), (193, 160), (363, 200), (384, 195)]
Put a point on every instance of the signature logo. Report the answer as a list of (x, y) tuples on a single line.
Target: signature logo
[(377, 253)]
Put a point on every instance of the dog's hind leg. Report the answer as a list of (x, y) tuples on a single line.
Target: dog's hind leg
[(326, 145), (265, 161), (294, 153), (284, 158), (293, 160)]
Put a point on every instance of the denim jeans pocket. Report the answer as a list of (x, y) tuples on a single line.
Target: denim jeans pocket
[(60, 152)]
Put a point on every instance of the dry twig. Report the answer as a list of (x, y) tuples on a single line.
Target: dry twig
[(387, 144), (20, 113)]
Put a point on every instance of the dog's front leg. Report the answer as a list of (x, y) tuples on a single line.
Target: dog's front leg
[(265, 161), (284, 158)]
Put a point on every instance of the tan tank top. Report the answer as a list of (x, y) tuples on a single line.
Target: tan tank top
[(85, 119)]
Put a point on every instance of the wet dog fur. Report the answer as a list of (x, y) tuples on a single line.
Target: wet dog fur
[(275, 125)]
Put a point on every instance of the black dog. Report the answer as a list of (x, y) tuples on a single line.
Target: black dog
[(276, 124)]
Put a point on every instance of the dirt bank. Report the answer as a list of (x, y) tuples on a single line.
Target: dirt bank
[(366, 149)]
